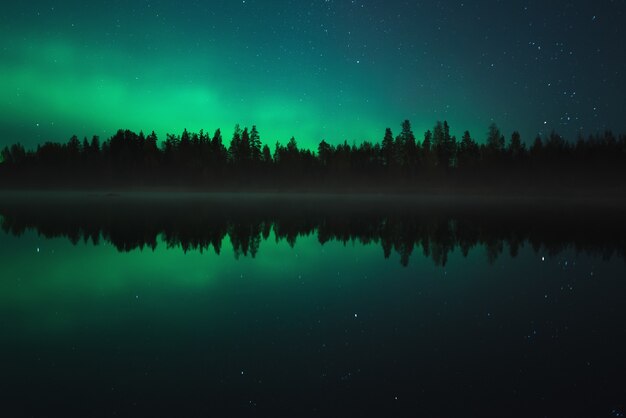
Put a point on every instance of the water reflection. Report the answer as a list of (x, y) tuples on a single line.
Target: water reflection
[(434, 226)]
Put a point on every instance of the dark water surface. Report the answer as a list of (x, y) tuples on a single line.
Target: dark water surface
[(206, 305)]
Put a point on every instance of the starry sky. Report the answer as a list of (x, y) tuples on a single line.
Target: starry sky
[(325, 69)]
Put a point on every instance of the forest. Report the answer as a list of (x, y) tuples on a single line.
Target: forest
[(395, 163)]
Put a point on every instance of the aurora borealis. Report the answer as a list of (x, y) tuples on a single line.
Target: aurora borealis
[(330, 266), (328, 69)]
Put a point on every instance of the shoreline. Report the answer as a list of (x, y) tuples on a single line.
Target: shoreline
[(584, 196)]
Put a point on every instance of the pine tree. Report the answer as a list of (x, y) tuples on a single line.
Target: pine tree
[(536, 150), (235, 145), (449, 146), (388, 148), (495, 140), (408, 144), (244, 150), (255, 145), (266, 155), (218, 152), (468, 153), (95, 144), (440, 146), (151, 143), (73, 150), (324, 151), (516, 148), (292, 146), (185, 140), (428, 141)]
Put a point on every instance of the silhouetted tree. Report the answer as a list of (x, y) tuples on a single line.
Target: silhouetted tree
[(495, 144), (95, 144), (407, 148), (244, 153), (235, 146), (388, 148), (444, 145), (255, 145), (516, 148), (266, 155), (324, 152), (468, 153), (195, 159), (537, 149)]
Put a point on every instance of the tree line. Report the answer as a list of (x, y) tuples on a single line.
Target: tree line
[(400, 161)]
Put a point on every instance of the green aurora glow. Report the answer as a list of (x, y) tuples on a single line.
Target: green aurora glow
[(330, 70)]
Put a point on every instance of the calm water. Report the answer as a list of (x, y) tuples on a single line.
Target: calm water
[(310, 306)]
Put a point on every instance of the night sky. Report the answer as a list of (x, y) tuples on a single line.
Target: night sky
[(327, 69)]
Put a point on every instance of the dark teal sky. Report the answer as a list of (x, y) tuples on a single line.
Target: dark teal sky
[(327, 69)]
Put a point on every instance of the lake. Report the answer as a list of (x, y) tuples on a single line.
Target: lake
[(222, 305)]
